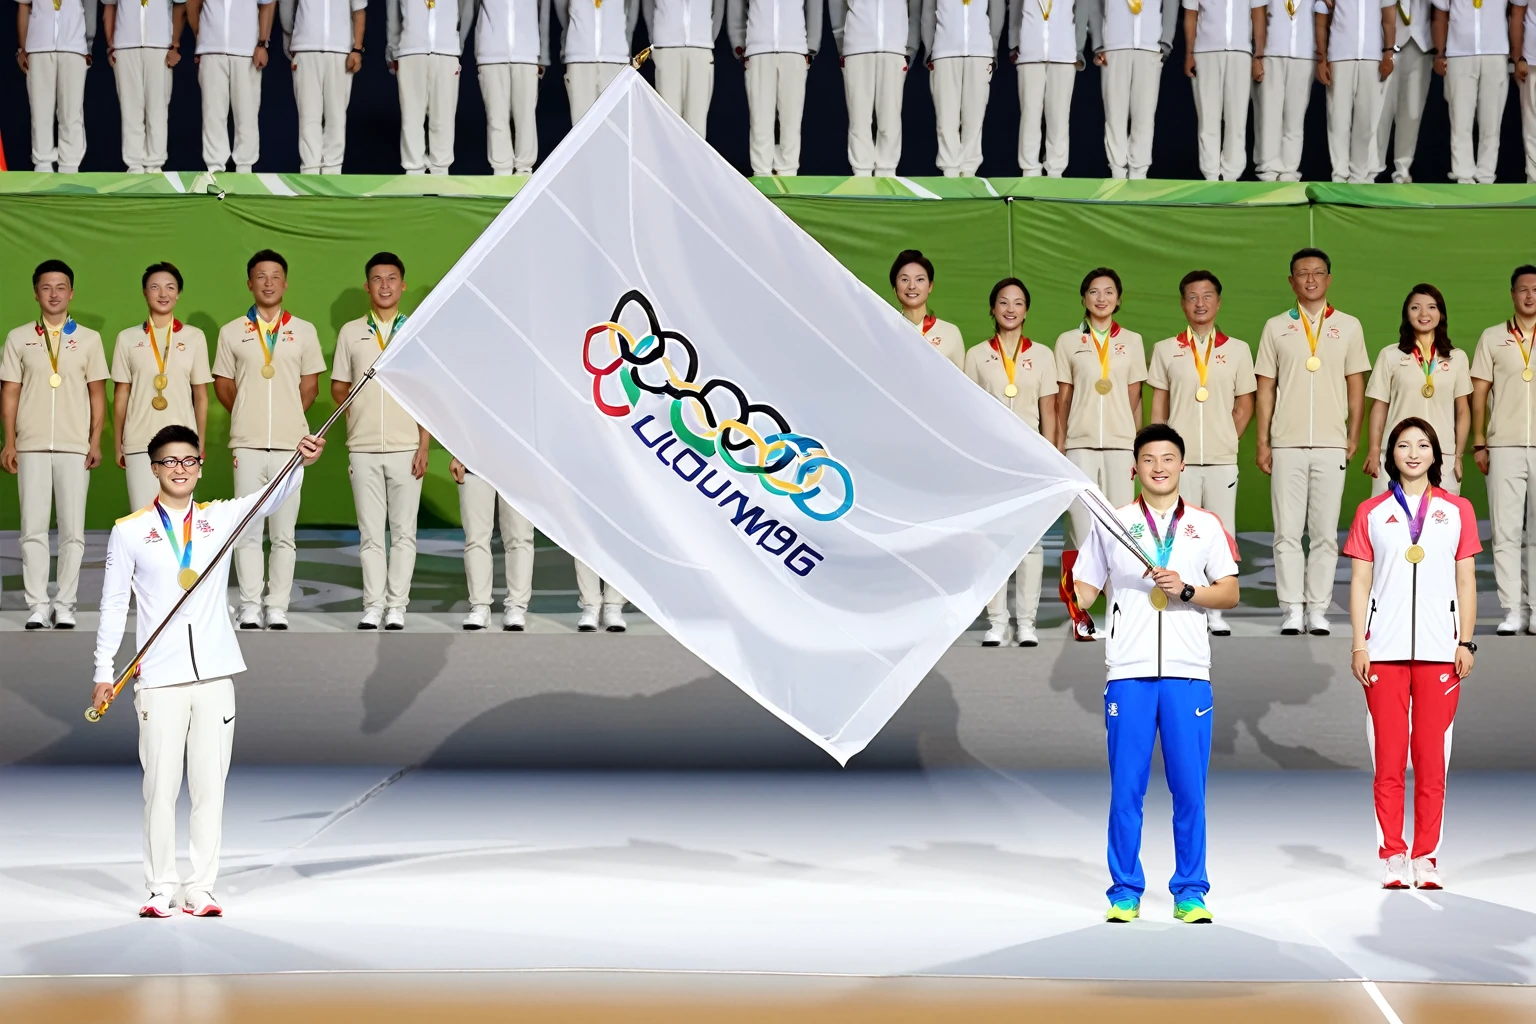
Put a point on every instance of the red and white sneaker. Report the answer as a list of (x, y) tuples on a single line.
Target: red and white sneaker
[(1395, 875), (200, 903), (158, 905), (1425, 874)]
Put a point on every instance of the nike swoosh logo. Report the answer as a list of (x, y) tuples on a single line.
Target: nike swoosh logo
[(231, 718), (1199, 713)]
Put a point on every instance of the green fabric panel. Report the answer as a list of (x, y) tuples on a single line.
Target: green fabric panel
[(1168, 193), (1439, 196)]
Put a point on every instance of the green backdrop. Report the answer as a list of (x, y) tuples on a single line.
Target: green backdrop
[(1382, 238)]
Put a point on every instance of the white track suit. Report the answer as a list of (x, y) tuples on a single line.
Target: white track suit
[(1223, 75), (1133, 47), (777, 40), (1476, 84), (683, 34), (318, 37), (876, 39), (59, 35), (961, 42), (1404, 92), (1354, 98), (511, 45), (425, 43), (595, 47), (141, 42), (1280, 106), (230, 82), (184, 695), (481, 509), (1047, 39)]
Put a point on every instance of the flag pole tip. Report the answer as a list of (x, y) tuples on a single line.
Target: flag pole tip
[(640, 58)]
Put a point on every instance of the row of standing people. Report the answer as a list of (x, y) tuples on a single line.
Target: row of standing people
[(1240, 54), (1305, 391), (266, 373)]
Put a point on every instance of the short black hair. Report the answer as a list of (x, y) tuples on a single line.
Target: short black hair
[(1520, 271), (384, 259), (265, 256), (173, 434), (997, 290), (161, 268), (1396, 474), (1153, 432), (53, 267), (1195, 276), (1310, 253), (1098, 272), (911, 256)]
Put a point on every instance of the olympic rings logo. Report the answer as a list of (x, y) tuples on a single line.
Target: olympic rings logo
[(714, 417)]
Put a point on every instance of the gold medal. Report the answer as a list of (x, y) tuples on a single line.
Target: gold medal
[(1159, 598), (186, 578), (162, 382), (1102, 386), (1428, 390), (1314, 363), (1415, 554), (158, 403), (54, 380), (269, 371), (1011, 391), (1526, 374), (1201, 394)]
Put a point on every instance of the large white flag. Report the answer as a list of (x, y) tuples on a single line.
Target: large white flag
[(685, 391)]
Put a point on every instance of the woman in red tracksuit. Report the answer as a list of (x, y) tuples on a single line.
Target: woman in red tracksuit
[(1413, 603)]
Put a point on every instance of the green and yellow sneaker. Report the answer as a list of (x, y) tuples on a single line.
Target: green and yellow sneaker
[(1192, 911), (1122, 911)]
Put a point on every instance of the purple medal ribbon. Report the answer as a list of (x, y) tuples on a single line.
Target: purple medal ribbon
[(1415, 519), (1163, 545)]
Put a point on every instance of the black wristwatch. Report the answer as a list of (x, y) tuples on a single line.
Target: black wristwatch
[(1469, 645), (1188, 593)]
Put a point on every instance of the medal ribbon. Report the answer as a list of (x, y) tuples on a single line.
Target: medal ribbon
[(1010, 363), (1306, 325), (928, 321), (400, 319), (54, 340), (1407, 18), (1164, 545), (1519, 336), (1101, 349), (266, 335), (1290, 8), (1045, 9), (1426, 363), (154, 346), (1202, 362), (1415, 520), (183, 550)]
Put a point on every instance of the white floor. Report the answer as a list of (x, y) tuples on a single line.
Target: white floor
[(817, 872)]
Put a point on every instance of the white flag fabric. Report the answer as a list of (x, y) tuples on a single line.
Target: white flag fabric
[(684, 390)]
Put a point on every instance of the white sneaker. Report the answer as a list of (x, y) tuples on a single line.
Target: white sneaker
[(1217, 625), (1425, 874), (477, 617), (1294, 620), (1317, 624), (1395, 872), (371, 618), (613, 618), (1026, 635), (41, 618), (158, 905), (63, 618), (1513, 624), (587, 623), (513, 620), (199, 903), (996, 637), (277, 619), (250, 617), (394, 619)]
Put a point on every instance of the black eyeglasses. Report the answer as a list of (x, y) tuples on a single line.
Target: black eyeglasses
[(190, 462)]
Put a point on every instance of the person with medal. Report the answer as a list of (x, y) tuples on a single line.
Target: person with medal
[(1283, 69), (1423, 375), (266, 372), (1218, 37), (1046, 40), (1159, 664), (1099, 366), (1022, 375), (184, 691), (160, 370), (1310, 368), (386, 449), (1412, 607), (1203, 386), (912, 278), (1504, 447), (53, 403)]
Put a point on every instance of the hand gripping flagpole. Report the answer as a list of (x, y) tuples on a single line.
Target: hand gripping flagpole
[(94, 713)]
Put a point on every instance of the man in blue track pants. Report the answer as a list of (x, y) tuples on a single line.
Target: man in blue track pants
[(1159, 661)]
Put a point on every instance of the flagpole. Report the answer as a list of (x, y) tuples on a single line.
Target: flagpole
[(94, 713)]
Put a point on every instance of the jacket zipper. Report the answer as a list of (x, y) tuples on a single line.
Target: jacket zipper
[(192, 653), (1159, 644), (1413, 616)]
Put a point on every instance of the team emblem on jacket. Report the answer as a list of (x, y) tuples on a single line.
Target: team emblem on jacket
[(1189, 531), (154, 536), (1439, 516)]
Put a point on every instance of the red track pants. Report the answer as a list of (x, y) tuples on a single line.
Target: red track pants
[(1412, 707)]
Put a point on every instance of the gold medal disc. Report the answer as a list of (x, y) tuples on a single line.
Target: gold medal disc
[(186, 578), (1428, 390), (1102, 386), (1201, 394), (1526, 374), (1314, 364), (1011, 391), (1158, 597), (162, 382), (158, 403), (269, 371), (55, 380), (1414, 554)]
